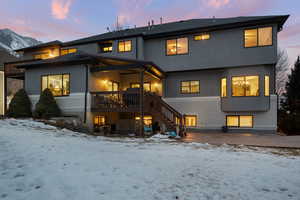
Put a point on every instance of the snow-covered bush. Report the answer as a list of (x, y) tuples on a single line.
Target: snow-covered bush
[(20, 105), (46, 106)]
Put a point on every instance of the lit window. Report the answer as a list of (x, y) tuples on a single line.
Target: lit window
[(99, 120), (203, 36), (258, 37), (189, 87), (267, 86), (59, 85), (190, 120), (147, 120), (242, 121), (106, 47), (223, 87), (177, 46), (67, 51), (147, 86), (124, 46), (44, 55), (245, 86), (112, 86)]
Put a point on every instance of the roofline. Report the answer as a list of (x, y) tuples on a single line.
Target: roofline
[(280, 19), (55, 43)]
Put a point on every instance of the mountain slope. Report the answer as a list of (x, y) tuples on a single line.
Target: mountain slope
[(11, 41)]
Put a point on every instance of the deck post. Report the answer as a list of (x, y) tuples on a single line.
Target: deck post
[(141, 131)]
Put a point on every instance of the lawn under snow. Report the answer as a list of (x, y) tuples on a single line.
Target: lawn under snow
[(39, 162)]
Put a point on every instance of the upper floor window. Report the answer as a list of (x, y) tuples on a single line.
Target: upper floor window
[(245, 86), (59, 84), (190, 87), (124, 45), (223, 87), (106, 47), (258, 37), (43, 55), (67, 51), (147, 86), (203, 36), (267, 86), (177, 46)]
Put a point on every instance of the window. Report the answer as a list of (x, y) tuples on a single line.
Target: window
[(190, 120), (258, 37), (106, 47), (124, 46), (245, 86), (59, 85), (242, 121), (99, 120), (223, 87), (203, 36), (113, 86), (177, 46), (147, 120), (44, 55), (67, 51), (147, 86), (189, 87), (267, 86)]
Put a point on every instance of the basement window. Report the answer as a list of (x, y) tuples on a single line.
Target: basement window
[(239, 121), (190, 120)]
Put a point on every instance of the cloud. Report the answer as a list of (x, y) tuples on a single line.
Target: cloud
[(61, 8), (217, 3), (294, 46)]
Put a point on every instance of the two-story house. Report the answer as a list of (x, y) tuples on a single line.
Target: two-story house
[(201, 73)]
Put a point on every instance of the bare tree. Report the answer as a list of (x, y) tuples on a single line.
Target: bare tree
[(282, 71)]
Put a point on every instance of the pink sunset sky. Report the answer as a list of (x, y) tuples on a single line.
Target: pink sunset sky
[(66, 20)]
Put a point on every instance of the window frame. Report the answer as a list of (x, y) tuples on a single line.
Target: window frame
[(166, 46), (239, 124), (119, 41), (150, 87), (221, 88), (62, 79), (267, 95), (201, 34), (196, 120), (60, 51), (245, 90), (98, 117), (189, 87), (257, 38), (103, 43)]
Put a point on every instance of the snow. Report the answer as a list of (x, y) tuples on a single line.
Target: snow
[(39, 161)]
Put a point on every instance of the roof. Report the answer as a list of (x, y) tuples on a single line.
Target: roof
[(80, 57), (181, 26), (5, 57), (47, 44)]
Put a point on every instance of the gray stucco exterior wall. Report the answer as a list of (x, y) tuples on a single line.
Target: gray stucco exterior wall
[(225, 48), (33, 77)]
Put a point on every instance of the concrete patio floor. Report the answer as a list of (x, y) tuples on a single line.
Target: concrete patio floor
[(259, 140)]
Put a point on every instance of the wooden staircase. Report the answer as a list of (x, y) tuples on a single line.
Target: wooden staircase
[(160, 110)]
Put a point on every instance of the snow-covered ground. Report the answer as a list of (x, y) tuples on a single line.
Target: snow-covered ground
[(39, 162)]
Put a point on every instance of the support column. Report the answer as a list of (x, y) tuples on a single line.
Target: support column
[(141, 103)]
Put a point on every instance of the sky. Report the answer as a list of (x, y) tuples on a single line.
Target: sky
[(67, 20)]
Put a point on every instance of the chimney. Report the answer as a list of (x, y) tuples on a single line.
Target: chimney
[(148, 25), (161, 20), (152, 22)]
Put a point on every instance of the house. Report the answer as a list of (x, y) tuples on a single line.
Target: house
[(201, 73), (5, 56)]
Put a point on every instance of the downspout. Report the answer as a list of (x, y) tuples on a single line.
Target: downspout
[(86, 91)]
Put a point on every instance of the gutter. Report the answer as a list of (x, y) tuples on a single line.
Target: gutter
[(86, 91)]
